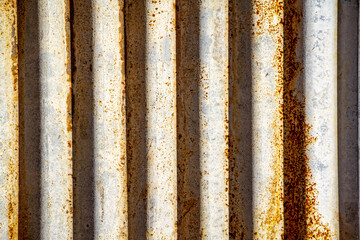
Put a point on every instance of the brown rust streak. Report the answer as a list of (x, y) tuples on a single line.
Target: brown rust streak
[(302, 220), (293, 184), (69, 111)]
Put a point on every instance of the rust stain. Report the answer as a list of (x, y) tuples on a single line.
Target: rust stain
[(69, 111), (302, 219), (293, 193), (8, 10)]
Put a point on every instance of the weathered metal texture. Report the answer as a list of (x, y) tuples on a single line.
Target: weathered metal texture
[(320, 79), (109, 121), (135, 25), (213, 119), (45, 120), (29, 118), (160, 83), (267, 113), (240, 120), (348, 32), (229, 128), (9, 154), (83, 118), (187, 109), (100, 85), (55, 119), (294, 115)]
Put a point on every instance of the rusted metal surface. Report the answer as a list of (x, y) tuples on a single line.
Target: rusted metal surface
[(109, 121), (9, 154), (136, 128), (45, 120), (160, 119), (179, 119), (29, 121), (300, 171), (267, 99), (99, 92)]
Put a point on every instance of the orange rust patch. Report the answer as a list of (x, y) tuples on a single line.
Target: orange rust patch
[(69, 110), (293, 196)]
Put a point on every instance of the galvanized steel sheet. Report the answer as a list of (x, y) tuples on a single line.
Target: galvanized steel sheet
[(179, 119)]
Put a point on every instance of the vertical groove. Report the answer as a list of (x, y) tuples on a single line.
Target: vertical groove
[(135, 117), (83, 123), (348, 40), (240, 121), (30, 121), (187, 112)]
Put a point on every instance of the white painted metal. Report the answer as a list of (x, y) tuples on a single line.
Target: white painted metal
[(110, 216), (320, 73), (213, 119), (55, 118), (160, 80)]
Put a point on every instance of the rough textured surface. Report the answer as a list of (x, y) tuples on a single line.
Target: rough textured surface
[(45, 120), (30, 124), (55, 119), (187, 108), (160, 118), (9, 128), (193, 119), (99, 120), (213, 119), (240, 121)]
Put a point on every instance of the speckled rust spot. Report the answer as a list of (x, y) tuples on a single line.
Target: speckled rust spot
[(301, 218), (8, 35), (293, 193), (269, 14)]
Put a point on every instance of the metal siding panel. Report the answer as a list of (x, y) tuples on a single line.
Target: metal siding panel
[(179, 119)]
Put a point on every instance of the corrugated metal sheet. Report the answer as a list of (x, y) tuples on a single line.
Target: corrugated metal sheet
[(179, 119)]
